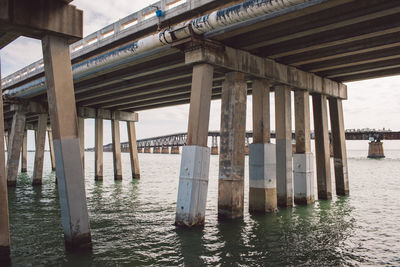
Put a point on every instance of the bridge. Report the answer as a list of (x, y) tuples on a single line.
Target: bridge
[(194, 51), (170, 143)]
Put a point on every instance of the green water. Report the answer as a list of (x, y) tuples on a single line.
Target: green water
[(132, 221)]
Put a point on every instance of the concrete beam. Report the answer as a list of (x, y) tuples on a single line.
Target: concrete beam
[(242, 61), (30, 107), (92, 113), (35, 19)]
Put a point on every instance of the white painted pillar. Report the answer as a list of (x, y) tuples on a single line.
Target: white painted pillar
[(193, 179), (303, 160), (262, 157)]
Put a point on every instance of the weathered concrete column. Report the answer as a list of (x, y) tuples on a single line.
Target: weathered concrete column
[(165, 150), (303, 167), (39, 151), (51, 147), (4, 219), (375, 149), (322, 146), (283, 126), (214, 145), (24, 156), (262, 158), (156, 150), (339, 146), (147, 149), (98, 150), (133, 149), (116, 150), (195, 161), (232, 143), (174, 150), (81, 134), (15, 144), (70, 176)]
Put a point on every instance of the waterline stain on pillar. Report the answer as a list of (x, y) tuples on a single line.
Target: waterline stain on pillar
[(232, 144)]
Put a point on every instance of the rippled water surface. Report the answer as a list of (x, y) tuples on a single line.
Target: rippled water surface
[(132, 220)]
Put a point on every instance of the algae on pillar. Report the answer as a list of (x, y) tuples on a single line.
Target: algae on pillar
[(303, 167), (283, 122), (195, 161), (232, 144), (262, 158), (63, 116), (322, 150)]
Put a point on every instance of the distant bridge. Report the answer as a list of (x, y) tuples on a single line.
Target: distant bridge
[(179, 139)]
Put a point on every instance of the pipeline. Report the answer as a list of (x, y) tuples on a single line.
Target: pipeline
[(213, 21)]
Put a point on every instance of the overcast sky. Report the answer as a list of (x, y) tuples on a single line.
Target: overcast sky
[(372, 103)]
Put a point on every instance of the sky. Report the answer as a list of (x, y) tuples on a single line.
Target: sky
[(371, 103)]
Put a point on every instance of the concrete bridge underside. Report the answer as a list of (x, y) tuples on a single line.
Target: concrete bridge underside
[(309, 47)]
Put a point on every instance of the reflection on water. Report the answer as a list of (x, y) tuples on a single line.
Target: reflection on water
[(132, 221)]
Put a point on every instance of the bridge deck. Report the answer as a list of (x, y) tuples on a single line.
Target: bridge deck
[(345, 40)]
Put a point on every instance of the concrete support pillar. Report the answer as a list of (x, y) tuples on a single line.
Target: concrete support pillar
[(303, 168), (195, 161), (24, 156), (15, 144), (283, 126), (116, 150), (70, 176), (4, 219), (232, 143), (39, 151), (214, 145), (98, 150), (375, 150), (174, 150), (147, 149), (140, 150), (81, 134), (322, 146), (339, 146), (133, 149), (51, 147), (156, 150), (165, 150), (262, 160)]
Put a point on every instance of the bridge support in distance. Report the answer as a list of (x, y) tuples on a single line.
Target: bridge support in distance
[(214, 145), (303, 160), (375, 150), (175, 150), (232, 144), (262, 159), (81, 134), (63, 116), (193, 179), (283, 122), (51, 148), (98, 149)]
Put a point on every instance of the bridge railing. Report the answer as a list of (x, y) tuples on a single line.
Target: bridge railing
[(134, 23)]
